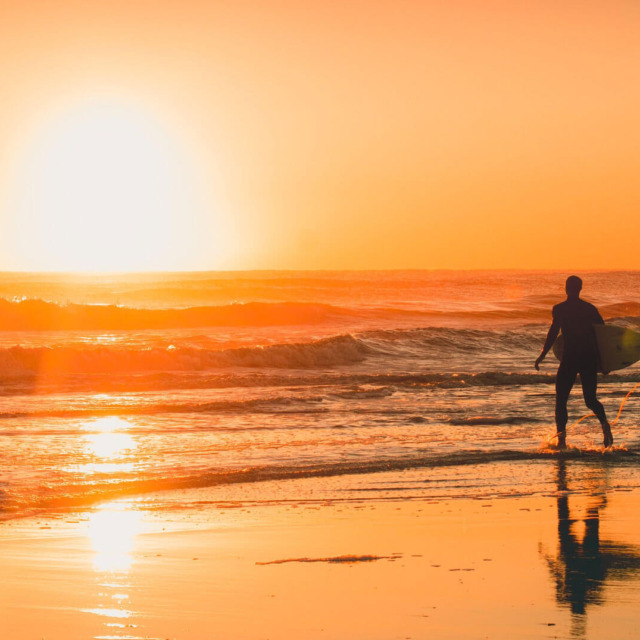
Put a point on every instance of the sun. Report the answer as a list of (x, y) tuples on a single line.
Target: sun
[(105, 188)]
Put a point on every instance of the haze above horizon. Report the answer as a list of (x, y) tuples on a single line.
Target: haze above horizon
[(190, 136)]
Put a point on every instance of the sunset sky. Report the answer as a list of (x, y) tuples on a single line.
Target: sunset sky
[(179, 134)]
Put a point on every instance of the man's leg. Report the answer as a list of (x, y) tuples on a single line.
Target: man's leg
[(564, 382), (589, 380)]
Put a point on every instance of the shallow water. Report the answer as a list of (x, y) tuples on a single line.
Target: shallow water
[(126, 385)]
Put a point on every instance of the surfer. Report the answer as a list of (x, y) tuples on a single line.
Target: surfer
[(575, 318)]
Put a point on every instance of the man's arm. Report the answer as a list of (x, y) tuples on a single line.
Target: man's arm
[(554, 330)]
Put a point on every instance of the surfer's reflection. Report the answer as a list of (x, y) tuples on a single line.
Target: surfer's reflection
[(583, 565)]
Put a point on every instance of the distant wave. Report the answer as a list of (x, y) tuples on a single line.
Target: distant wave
[(41, 315), (35, 314)]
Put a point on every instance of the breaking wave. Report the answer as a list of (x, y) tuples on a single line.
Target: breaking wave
[(326, 352), (179, 355)]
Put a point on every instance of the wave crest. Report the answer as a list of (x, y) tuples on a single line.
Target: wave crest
[(44, 361)]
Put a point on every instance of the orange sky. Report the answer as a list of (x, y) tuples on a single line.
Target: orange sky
[(312, 135)]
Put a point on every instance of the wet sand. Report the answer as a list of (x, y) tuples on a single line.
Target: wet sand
[(556, 566)]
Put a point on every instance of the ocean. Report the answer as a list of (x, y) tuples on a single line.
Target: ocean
[(387, 385)]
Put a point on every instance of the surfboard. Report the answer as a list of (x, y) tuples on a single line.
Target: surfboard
[(619, 347)]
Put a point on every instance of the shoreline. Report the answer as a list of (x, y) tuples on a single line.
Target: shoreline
[(564, 565), (480, 473)]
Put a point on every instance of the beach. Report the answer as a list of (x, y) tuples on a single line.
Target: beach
[(464, 568), (318, 455), (276, 282)]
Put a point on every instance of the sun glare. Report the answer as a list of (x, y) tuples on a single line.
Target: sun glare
[(112, 531), (109, 440), (104, 190)]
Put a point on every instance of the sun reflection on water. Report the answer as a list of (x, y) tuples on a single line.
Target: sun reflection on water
[(110, 445), (112, 532), (109, 438)]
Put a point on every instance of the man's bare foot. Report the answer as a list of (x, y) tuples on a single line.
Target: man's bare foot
[(608, 436)]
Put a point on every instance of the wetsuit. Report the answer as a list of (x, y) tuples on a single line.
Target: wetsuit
[(575, 318)]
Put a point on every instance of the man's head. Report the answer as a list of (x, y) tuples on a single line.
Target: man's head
[(573, 286)]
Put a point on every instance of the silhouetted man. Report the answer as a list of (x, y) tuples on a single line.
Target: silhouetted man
[(575, 318)]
